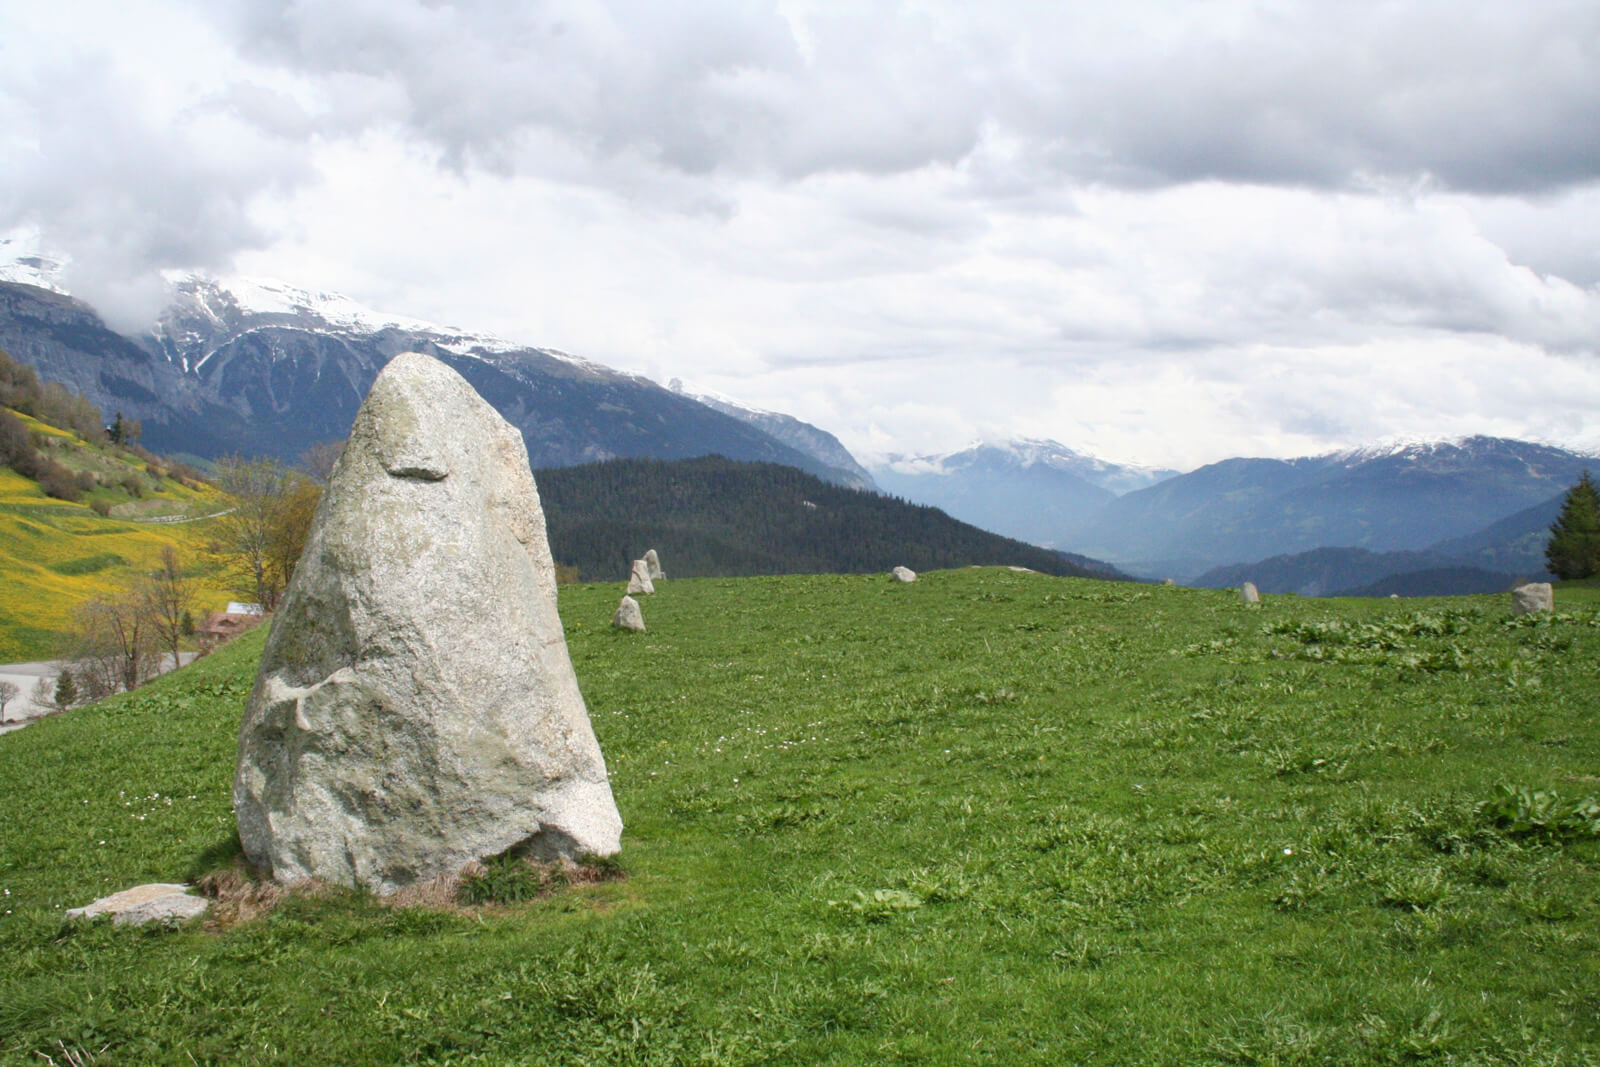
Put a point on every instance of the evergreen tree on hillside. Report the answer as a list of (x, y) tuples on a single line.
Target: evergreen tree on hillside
[(1574, 548)]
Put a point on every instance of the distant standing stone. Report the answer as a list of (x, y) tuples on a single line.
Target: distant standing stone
[(156, 902), (1168, 581), (1248, 593), (639, 580), (652, 564), (1535, 596), (628, 616), (416, 709), (904, 574)]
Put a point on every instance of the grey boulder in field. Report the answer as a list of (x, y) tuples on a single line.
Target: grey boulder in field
[(1532, 597), (628, 616), (639, 578), (416, 707)]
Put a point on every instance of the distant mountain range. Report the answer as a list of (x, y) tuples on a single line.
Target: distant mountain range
[(265, 369), (1474, 511), (261, 368), (1492, 559), (1038, 491), (1403, 498)]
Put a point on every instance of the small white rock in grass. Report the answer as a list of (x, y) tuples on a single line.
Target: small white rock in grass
[(904, 574), (156, 902), (1535, 596), (628, 616), (1249, 594), (652, 563), (639, 581)]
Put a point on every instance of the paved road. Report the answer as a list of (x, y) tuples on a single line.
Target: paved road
[(21, 710), (25, 676)]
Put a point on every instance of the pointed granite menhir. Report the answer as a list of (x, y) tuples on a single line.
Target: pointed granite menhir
[(416, 708), (639, 578)]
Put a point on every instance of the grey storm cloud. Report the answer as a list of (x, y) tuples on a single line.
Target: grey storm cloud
[(129, 190), (1482, 98), (810, 185)]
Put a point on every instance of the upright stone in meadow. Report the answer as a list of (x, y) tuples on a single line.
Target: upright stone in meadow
[(416, 708), (1248, 593), (639, 579), (652, 565), (904, 574), (628, 616), (1535, 596)]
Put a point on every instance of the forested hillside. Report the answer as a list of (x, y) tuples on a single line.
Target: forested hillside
[(712, 517)]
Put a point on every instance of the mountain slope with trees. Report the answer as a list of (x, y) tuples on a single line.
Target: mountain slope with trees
[(718, 517)]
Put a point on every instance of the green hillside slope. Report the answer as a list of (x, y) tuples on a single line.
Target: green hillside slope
[(57, 554), (988, 817)]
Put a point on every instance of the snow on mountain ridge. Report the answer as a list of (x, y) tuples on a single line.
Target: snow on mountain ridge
[(245, 296), (1417, 446), (1394, 445), (24, 262), (1025, 453)]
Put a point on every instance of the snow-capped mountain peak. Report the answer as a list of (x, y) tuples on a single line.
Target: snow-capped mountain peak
[(1025, 453), (240, 302), (1397, 445)]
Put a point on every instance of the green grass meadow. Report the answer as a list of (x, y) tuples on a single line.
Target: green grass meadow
[(989, 817)]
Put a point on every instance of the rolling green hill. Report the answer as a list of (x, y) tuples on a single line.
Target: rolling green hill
[(712, 517), (57, 554), (988, 817)]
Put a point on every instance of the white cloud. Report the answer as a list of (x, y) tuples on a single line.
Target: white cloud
[(1166, 232)]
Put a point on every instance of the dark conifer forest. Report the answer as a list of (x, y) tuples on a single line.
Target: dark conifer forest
[(716, 517)]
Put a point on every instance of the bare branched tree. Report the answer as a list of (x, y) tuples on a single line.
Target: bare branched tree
[(167, 597), (320, 459), (264, 533), (112, 648)]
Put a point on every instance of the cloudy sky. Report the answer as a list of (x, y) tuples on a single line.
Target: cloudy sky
[(1161, 233)]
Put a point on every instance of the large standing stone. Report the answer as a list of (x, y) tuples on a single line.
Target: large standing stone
[(1249, 594), (639, 579), (628, 616), (1535, 596), (652, 563), (415, 707), (903, 574)]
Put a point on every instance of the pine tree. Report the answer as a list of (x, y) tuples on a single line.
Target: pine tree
[(66, 690), (1574, 548)]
